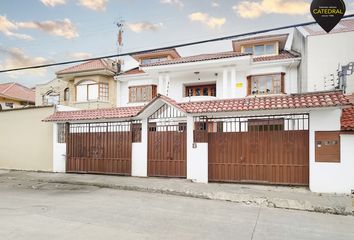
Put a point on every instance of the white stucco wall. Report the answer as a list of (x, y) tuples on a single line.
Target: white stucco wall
[(139, 153), (327, 177), (197, 158), (324, 54), (59, 152)]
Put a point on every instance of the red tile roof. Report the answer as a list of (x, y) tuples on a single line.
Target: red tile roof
[(215, 56), (294, 101), (282, 55), (94, 114), (17, 91), (98, 64), (347, 119), (346, 25), (197, 58), (132, 71)]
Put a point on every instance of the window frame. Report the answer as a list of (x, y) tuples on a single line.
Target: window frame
[(142, 93), (265, 44), (250, 82), (210, 89), (102, 93), (66, 94)]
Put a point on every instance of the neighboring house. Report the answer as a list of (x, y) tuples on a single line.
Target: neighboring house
[(89, 85), (324, 54), (54, 92), (14, 95)]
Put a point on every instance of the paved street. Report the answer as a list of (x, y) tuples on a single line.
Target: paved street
[(59, 211)]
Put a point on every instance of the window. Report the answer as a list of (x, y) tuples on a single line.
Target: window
[(153, 60), (266, 84), (61, 133), (66, 94), (9, 105), (265, 125), (92, 91), (201, 90), (51, 98), (261, 49), (142, 93)]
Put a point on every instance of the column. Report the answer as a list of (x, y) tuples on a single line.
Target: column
[(224, 83), (197, 156), (233, 83), (139, 152), (167, 84), (160, 87)]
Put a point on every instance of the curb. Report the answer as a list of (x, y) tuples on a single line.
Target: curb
[(220, 196)]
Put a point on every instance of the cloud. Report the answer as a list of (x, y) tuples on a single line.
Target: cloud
[(16, 58), (255, 9), (80, 55), (53, 3), (7, 28), (177, 3), (96, 5), (204, 18), (144, 26), (215, 3), (62, 28)]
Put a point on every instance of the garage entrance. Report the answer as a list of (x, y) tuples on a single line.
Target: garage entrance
[(103, 148), (268, 149), (167, 143)]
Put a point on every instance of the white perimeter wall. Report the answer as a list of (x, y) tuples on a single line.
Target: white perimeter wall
[(197, 156), (59, 152), (331, 177), (139, 153)]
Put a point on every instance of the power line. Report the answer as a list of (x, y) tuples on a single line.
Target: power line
[(163, 48)]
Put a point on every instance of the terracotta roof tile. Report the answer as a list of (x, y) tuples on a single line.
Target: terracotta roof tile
[(197, 58), (310, 100), (94, 114), (98, 64), (132, 71), (294, 101), (215, 56), (17, 91), (347, 119), (282, 55), (346, 25)]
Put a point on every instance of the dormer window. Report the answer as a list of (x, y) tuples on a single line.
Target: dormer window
[(261, 49), (153, 60)]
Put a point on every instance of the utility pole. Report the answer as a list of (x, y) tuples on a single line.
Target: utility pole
[(119, 60)]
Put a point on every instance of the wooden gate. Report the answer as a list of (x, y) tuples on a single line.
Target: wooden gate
[(273, 150), (167, 143), (103, 148)]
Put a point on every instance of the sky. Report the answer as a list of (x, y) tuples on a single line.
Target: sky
[(36, 32)]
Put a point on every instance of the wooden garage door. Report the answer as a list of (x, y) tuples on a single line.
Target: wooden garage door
[(103, 148), (167, 151), (272, 151)]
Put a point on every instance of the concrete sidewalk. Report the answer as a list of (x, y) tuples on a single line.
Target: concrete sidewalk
[(297, 198)]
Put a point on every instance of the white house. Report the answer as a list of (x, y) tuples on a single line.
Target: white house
[(245, 115)]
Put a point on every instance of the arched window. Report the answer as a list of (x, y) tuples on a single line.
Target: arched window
[(66, 94), (51, 98), (91, 91)]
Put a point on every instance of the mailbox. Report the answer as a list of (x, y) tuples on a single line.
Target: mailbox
[(327, 147)]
